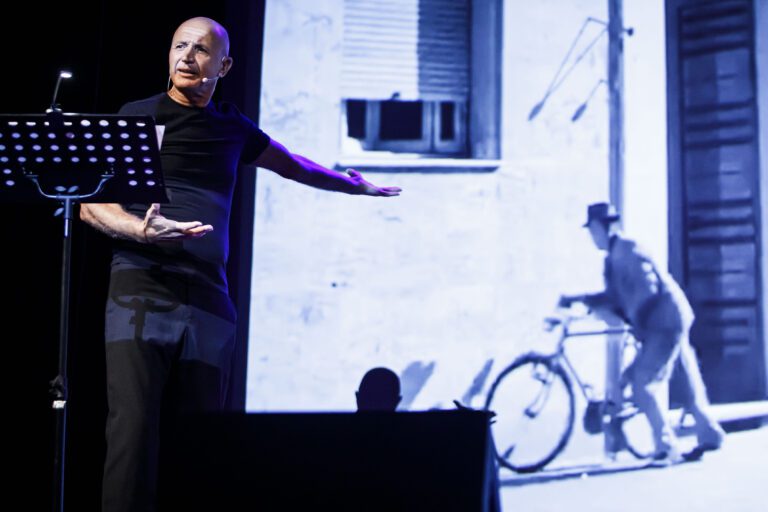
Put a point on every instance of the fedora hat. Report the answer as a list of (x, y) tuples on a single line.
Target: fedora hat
[(601, 211)]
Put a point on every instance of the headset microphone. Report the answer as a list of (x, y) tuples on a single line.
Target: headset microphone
[(206, 79)]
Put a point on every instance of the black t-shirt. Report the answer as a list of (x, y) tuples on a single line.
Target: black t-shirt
[(200, 152)]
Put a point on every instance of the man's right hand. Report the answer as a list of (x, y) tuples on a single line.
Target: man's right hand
[(159, 229)]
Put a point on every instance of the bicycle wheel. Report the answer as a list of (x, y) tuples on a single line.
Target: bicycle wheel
[(638, 436), (534, 406)]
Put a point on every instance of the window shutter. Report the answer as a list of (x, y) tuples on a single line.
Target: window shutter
[(410, 49)]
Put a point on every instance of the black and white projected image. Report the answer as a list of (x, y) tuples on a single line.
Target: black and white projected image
[(503, 121)]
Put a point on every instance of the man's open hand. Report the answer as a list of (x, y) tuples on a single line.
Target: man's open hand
[(369, 189), (160, 229)]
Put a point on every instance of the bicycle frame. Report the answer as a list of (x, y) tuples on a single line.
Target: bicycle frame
[(566, 333)]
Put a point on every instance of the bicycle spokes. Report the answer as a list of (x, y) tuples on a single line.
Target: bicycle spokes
[(508, 452), (545, 376), (543, 373), (635, 432)]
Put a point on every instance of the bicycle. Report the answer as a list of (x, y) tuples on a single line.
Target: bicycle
[(542, 384)]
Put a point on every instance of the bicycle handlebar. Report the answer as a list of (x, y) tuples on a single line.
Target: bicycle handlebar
[(564, 321)]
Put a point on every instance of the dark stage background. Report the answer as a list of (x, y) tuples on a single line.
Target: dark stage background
[(118, 53)]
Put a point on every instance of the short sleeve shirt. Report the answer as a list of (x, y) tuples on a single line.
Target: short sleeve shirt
[(200, 152)]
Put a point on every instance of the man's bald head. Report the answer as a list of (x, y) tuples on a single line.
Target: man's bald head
[(218, 32), (197, 59)]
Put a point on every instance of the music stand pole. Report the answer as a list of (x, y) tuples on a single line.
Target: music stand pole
[(59, 384), (58, 388)]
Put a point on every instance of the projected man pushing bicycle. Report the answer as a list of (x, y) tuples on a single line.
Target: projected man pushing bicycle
[(661, 317)]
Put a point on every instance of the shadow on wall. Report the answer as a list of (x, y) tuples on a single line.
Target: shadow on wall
[(412, 381), (478, 383), (416, 375)]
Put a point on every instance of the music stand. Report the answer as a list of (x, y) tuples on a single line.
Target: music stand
[(68, 158)]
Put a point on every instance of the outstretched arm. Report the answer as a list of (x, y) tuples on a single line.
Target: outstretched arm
[(303, 170), (114, 221)]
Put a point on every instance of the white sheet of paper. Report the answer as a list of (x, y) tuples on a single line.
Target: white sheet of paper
[(160, 129)]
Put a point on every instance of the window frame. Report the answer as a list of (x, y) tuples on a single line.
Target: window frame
[(480, 134), (430, 142)]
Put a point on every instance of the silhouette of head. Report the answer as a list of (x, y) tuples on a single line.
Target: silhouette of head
[(379, 391)]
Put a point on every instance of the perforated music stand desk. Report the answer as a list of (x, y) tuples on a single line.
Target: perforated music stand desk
[(70, 158)]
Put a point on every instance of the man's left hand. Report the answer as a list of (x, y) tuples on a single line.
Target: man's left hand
[(369, 189)]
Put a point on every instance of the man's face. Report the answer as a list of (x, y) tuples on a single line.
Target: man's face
[(197, 52), (599, 232)]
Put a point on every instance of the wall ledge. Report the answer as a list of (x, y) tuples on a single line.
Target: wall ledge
[(418, 165)]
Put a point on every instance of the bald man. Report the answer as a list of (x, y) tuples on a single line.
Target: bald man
[(170, 323)]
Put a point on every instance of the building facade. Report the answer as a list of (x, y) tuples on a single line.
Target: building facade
[(492, 115)]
